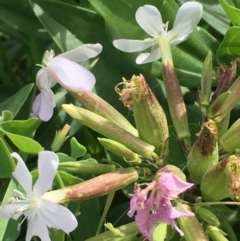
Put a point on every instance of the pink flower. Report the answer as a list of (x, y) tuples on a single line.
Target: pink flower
[(63, 69), (153, 204)]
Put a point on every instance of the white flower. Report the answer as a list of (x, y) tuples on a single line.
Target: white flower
[(39, 212), (150, 20), (63, 69)]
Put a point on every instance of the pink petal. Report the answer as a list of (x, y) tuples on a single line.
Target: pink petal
[(70, 75), (47, 166)]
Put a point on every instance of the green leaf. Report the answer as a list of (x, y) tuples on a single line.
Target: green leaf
[(62, 37), (8, 227), (19, 15), (6, 116), (230, 46), (15, 102), (69, 179), (232, 12), (77, 150), (25, 144), (6, 161), (21, 127), (65, 158)]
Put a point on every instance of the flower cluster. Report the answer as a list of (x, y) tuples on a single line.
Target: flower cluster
[(153, 204)]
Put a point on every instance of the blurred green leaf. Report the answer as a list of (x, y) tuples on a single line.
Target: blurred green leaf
[(232, 12), (6, 161), (230, 45), (21, 127), (15, 102), (24, 144), (69, 179)]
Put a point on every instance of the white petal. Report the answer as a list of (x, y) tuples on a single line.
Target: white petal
[(83, 52), (70, 75), (131, 45), (57, 216), (150, 20), (22, 175), (47, 166), (43, 105), (188, 16), (42, 80), (36, 227), (149, 57), (8, 211)]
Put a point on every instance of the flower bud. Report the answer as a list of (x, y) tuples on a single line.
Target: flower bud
[(96, 104), (230, 141), (231, 100), (148, 114), (216, 234), (223, 125), (222, 180), (192, 228), (207, 216), (120, 150), (110, 130), (95, 187), (176, 104), (206, 82), (204, 152), (60, 138)]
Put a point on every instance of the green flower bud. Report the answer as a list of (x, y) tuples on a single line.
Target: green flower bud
[(175, 170), (204, 152), (231, 100), (176, 104), (110, 130), (216, 234), (95, 187), (230, 141), (207, 216), (120, 150), (60, 138), (96, 104), (222, 180), (148, 114), (206, 82), (191, 228)]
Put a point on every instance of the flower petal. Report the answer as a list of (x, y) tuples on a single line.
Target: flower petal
[(150, 20), (42, 80), (47, 166), (83, 53), (22, 174), (131, 45), (43, 105), (36, 227), (149, 57), (8, 211), (70, 75), (188, 16), (57, 216)]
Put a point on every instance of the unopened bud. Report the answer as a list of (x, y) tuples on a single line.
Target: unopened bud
[(99, 106), (60, 138), (222, 180), (230, 141), (95, 187), (206, 82), (207, 216), (120, 150), (110, 130), (204, 152), (191, 228), (176, 104), (216, 234), (148, 114)]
